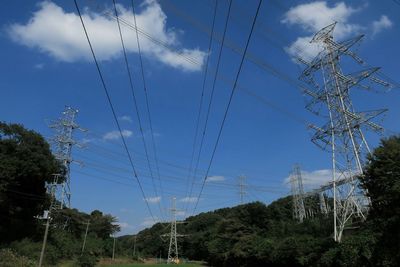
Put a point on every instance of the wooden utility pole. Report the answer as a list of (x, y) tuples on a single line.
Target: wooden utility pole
[(84, 240)]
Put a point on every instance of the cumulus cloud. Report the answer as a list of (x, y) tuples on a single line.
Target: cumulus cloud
[(58, 33), (316, 15), (180, 213), (313, 16), (39, 66), (188, 199), (215, 178), (114, 135), (383, 23), (313, 179), (123, 225), (153, 200), (125, 118), (148, 222)]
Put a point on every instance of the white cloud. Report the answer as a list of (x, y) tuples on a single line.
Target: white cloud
[(383, 23), (148, 222), (125, 118), (215, 178), (59, 34), (313, 179), (39, 66), (124, 225), (153, 200), (313, 16), (114, 135), (180, 213), (316, 15), (188, 199)]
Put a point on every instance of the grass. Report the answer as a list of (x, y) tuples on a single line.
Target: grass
[(126, 262), (156, 265)]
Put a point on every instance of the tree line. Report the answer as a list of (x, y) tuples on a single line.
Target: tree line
[(252, 234), (26, 165), (256, 234)]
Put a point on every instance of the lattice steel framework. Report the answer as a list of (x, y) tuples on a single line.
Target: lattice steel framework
[(173, 256), (329, 92), (296, 182), (62, 147)]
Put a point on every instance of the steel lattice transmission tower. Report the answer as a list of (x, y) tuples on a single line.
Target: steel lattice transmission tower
[(296, 181), (173, 256), (329, 90), (62, 148), (242, 188)]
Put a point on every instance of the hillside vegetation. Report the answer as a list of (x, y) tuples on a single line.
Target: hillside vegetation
[(258, 235), (253, 234)]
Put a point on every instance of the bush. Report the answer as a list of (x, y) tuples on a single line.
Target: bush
[(9, 258), (31, 249), (86, 260)]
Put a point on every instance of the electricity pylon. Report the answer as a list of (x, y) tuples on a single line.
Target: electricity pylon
[(242, 188), (296, 181), (173, 256), (329, 87), (63, 142)]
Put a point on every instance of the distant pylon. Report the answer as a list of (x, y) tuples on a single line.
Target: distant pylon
[(173, 256), (296, 181), (63, 142), (329, 90), (322, 203), (242, 188)]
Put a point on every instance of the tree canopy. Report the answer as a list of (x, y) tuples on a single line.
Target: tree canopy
[(26, 164)]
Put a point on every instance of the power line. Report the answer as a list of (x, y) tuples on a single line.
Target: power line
[(229, 102), (201, 103), (112, 109), (135, 102), (146, 97), (211, 96)]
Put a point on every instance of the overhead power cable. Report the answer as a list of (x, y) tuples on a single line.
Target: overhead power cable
[(146, 97), (229, 102), (211, 96), (199, 112), (136, 104), (113, 110)]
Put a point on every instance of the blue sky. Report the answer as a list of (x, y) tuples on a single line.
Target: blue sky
[(46, 64)]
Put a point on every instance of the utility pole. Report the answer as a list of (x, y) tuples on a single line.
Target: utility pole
[(51, 189), (134, 246), (113, 253), (329, 90), (173, 256), (84, 240), (63, 142), (296, 181), (242, 188)]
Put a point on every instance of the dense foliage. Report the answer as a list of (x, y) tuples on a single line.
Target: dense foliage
[(253, 234), (258, 235), (26, 164)]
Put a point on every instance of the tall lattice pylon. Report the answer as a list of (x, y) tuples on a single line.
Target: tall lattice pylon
[(296, 181), (62, 147), (329, 89), (173, 256), (242, 188)]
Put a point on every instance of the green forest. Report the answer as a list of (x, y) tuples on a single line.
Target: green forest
[(252, 234)]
